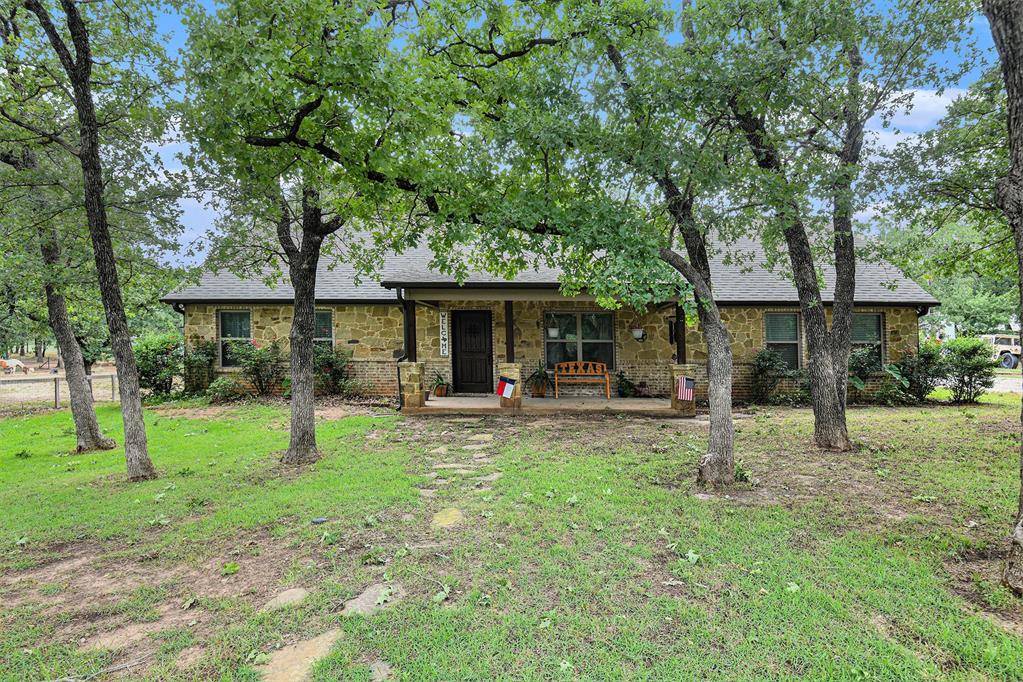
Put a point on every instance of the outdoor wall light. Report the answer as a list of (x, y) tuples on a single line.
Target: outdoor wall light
[(639, 334)]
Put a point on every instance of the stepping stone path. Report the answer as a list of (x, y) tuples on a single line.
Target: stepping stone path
[(379, 671), (427, 492), (447, 518), (374, 598), (476, 446), (482, 438), (293, 663), (490, 478), (442, 450), (286, 598), (449, 465)]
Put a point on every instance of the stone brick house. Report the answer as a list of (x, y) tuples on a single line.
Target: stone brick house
[(464, 331)]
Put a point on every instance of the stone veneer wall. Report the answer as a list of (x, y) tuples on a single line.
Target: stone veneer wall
[(372, 332), (374, 335)]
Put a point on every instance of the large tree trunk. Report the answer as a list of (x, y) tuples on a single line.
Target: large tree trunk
[(718, 465), (827, 381), (1006, 19), (87, 431), (79, 71), (829, 428), (302, 447), (302, 263)]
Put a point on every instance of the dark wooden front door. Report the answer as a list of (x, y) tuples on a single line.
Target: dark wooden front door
[(472, 351)]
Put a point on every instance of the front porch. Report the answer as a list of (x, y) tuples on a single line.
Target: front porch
[(589, 405)]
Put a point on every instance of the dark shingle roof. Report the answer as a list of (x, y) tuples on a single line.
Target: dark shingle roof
[(736, 280)]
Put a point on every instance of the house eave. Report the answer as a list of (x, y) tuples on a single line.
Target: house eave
[(171, 300)]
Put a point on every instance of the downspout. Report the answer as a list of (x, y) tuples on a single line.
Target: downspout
[(404, 352)]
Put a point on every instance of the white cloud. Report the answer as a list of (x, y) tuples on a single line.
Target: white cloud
[(923, 112)]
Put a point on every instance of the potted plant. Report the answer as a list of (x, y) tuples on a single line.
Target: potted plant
[(626, 389), (539, 381), (440, 385)]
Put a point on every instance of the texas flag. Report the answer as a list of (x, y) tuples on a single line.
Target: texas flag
[(505, 387)]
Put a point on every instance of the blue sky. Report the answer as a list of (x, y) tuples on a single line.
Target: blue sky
[(929, 107)]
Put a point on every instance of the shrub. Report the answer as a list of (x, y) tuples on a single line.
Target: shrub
[(768, 369), (199, 360), (158, 357), (924, 371), (861, 367), (263, 367), (333, 370), (971, 371), (223, 390)]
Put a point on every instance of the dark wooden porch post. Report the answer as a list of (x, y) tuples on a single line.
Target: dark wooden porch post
[(408, 309), (680, 335), (509, 332)]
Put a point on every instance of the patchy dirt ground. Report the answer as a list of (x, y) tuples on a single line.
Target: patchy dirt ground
[(108, 596)]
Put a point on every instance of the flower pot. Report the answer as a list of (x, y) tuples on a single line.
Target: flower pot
[(441, 390), (540, 392), (552, 332)]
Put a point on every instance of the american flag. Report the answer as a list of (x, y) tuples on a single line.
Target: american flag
[(685, 388)]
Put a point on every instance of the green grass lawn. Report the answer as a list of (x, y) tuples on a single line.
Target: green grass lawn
[(591, 557)]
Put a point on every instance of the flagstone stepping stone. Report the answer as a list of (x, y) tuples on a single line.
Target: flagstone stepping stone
[(447, 518), (442, 450), (450, 465), (482, 437), (374, 598), (490, 478), (476, 446), (379, 671), (286, 598), (427, 492), (294, 662)]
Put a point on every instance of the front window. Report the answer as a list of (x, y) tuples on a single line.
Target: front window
[(235, 326), (782, 331), (866, 334), (324, 329), (579, 336)]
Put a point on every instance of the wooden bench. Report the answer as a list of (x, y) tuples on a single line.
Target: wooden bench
[(583, 372)]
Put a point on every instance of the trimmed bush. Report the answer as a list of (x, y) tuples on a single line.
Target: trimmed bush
[(333, 370), (262, 366), (768, 369), (861, 368), (924, 371), (224, 390), (971, 371), (200, 358), (158, 357)]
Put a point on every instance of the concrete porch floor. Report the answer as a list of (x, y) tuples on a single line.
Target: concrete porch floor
[(489, 404)]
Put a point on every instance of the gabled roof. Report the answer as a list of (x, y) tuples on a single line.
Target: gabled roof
[(743, 280)]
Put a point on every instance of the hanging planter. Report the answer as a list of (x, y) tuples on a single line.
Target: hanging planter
[(552, 332)]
